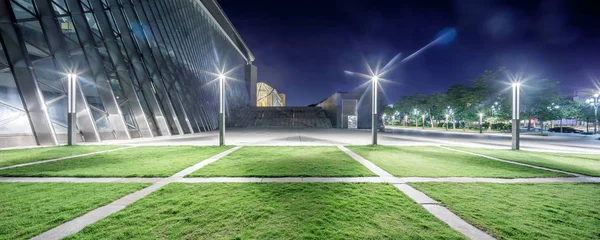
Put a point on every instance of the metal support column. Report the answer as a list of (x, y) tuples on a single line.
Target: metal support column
[(153, 69), (122, 69), (59, 50), (96, 64), (139, 69)]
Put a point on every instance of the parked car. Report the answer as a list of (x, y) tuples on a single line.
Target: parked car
[(566, 130)]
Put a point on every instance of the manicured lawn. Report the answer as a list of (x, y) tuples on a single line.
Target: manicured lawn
[(272, 211), (587, 164), (19, 156), (28, 209), (284, 161), (437, 162), (135, 162), (524, 211)]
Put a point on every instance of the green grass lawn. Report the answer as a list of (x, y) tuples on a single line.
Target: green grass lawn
[(135, 162), (272, 211), (437, 162), (524, 211), (285, 161), (19, 156), (587, 164), (28, 209)]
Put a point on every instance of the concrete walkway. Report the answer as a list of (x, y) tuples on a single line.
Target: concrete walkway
[(517, 163), (64, 158), (392, 180), (426, 202), (77, 224)]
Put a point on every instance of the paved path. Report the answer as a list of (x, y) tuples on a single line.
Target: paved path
[(64, 158), (517, 163), (391, 180), (332, 137), (426, 202), (77, 224)]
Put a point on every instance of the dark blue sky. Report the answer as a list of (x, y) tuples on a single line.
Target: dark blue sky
[(303, 47)]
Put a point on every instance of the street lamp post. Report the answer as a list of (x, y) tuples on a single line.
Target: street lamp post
[(406, 121), (423, 123), (595, 103), (516, 87), (556, 107), (221, 110), (374, 108), (480, 122), (446, 122), (71, 112)]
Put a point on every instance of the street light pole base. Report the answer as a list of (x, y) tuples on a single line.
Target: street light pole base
[(71, 129), (516, 131), (221, 129), (374, 129)]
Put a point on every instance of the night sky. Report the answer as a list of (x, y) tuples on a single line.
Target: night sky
[(302, 48)]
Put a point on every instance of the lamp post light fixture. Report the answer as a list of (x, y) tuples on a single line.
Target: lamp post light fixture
[(71, 110), (480, 122), (516, 87), (595, 103), (416, 113), (221, 110), (556, 107), (374, 86), (446, 122)]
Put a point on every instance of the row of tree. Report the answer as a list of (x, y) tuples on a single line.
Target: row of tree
[(490, 94)]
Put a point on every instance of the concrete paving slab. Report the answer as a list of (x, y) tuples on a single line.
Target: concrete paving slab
[(79, 180), (64, 158), (499, 180), (344, 179), (282, 179), (456, 222), (416, 195), (517, 163), (220, 180), (368, 164)]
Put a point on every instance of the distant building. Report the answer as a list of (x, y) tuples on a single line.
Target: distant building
[(267, 96), (350, 109), (282, 96)]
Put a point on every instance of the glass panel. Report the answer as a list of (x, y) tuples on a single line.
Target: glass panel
[(58, 111), (13, 121), (68, 29), (25, 12), (59, 9)]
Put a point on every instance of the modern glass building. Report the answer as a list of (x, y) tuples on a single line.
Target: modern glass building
[(267, 96), (144, 68)]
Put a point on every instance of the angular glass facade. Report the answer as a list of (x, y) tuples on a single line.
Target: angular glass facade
[(144, 68)]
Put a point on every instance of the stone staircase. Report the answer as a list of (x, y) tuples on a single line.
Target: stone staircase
[(278, 117)]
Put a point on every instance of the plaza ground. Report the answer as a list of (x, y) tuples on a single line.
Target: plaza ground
[(408, 190)]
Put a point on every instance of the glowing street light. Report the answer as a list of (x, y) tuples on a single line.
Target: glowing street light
[(446, 122), (221, 109), (374, 80), (595, 103), (71, 110), (516, 87), (480, 122)]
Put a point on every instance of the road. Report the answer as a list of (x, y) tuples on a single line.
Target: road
[(311, 137)]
